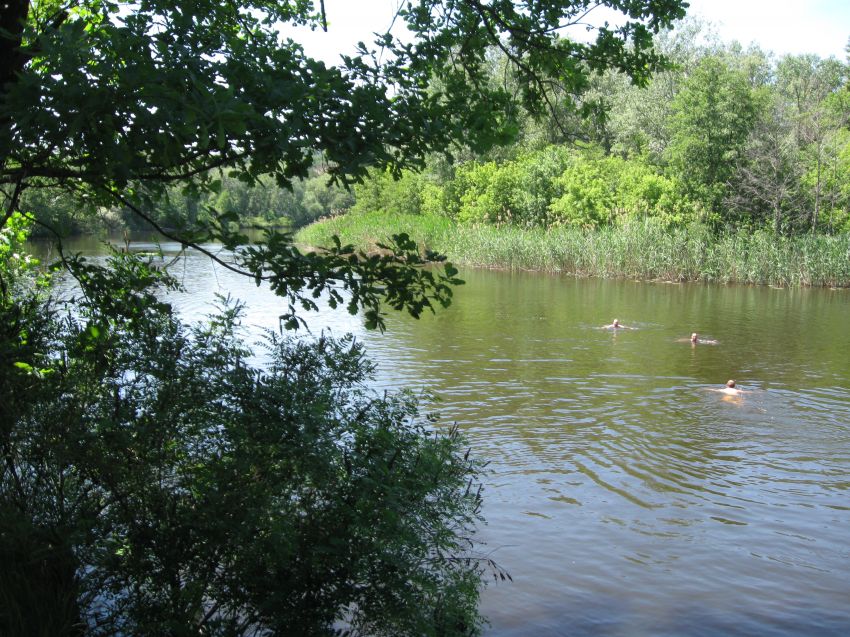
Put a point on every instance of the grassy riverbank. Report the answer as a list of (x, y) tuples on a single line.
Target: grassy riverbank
[(640, 251)]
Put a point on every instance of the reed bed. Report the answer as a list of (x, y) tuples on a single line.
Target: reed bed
[(642, 250)]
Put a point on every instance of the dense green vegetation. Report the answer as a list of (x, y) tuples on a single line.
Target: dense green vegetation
[(151, 453), (729, 166), (728, 137), (641, 250), (770, 150), (733, 140), (155, 480)]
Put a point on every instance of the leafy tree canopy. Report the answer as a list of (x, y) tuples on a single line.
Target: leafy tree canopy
[(109, 93), (113, 101)]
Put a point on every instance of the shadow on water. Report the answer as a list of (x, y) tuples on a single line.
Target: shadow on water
[(625, 498)]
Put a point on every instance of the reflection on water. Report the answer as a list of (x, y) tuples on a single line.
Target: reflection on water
[(624, 498)]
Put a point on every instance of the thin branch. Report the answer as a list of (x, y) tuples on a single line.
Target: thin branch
[(137, 211), (212, 611), (532, 75), (574, 20), (50, 172)]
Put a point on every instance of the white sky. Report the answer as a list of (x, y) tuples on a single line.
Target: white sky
[(782, 26)]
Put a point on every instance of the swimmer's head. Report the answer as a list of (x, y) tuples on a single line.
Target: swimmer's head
[(616, 323), (730, 384), (694, 337)]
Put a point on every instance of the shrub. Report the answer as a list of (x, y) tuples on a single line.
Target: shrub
[(380, 192), (156, 483)]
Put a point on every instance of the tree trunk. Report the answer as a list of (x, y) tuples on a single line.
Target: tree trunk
[(817, 194)]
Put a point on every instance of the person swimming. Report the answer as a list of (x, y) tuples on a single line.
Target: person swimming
[(616, 325), (695, 339), (731, 389)]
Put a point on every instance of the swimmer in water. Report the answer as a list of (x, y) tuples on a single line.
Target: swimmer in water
[(695, 339), (730, 389), (734, 396), (616, 325)]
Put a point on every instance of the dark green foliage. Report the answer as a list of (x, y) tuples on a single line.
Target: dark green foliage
[(126, 97), (263, 204), (142, 107), (260, 205), (352, 278), (156, 483), (712, 119), (66, 215)]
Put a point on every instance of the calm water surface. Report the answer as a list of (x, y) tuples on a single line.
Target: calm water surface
[(625, 498)]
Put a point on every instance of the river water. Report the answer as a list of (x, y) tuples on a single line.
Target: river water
[(624, 497)]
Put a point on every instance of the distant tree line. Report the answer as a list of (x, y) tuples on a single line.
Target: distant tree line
[(727, 136), (261, 203)]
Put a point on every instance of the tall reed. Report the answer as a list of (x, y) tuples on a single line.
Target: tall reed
[(642, 250)]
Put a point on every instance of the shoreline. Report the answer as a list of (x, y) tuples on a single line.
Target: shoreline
[(641, 252)]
